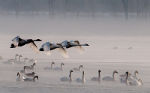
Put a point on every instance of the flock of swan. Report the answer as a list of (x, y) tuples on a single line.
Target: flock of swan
[(28, 74), (126, 78), (47, 46)]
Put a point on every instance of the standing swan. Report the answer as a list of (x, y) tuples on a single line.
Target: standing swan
[(65, 79), (81, 80), (109, 78), (97, 78)]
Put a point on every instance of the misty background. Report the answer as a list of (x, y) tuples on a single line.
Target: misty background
[(75, 17), (104, 24)]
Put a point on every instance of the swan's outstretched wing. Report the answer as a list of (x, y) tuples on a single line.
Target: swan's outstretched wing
[(64, 43), (46, 46)]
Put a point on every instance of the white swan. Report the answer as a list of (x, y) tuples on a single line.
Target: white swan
[(51, 67), (135, 74), (30, 79), (81, 80), (78, 69), (19, 58), (16, 57), (97, 78), (132, 81), (47, 47), (19, 42), (109, 78), (67, 79), (59, 68), (73, 43), (19, 77)]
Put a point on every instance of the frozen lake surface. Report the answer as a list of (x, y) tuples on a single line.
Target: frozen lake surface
[(49, 81)]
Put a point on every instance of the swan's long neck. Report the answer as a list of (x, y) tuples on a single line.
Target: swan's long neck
[(135, 74), (82, 44), (61, 66), (113, 75), (79, 68), (70, 76), (19, 58), (16, 58), (52, 66), (127, 76), (83, 77), (99, 75)]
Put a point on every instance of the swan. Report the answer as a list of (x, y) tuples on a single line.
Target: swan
[(19, 78), (16, 57), (135, 74), (31, 67), (78, 69), (10, 61), (20, 57), (30, 79), (51, 67), (48, 46), (132, 82), (109, 78), (66, 79), (19, 42), (81, 80), (73, 43), (97, 78), (59, 68), (123, 77)]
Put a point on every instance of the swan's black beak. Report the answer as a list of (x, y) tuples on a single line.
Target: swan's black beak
[(38, 40), (41, 49), (87, 44), (12, 46)]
